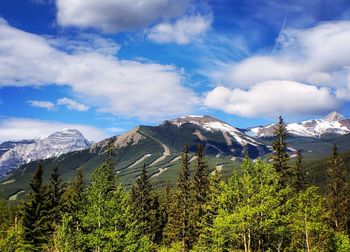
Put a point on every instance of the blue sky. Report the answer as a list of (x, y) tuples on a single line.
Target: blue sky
[(106, 66)]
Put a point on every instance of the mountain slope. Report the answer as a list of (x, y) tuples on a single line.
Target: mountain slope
[(159, 147)]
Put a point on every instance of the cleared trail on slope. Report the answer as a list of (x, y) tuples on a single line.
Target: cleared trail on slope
[(165, 154), (139, 160)]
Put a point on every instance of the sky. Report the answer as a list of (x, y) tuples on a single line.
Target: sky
[(106, 66)]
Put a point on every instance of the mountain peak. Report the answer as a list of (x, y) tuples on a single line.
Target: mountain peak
[(334, 117), (197, 119)]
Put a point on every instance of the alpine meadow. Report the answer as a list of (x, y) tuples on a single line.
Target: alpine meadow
[(174, 126)]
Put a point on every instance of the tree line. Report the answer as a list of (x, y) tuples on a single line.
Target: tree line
[(266, 206)]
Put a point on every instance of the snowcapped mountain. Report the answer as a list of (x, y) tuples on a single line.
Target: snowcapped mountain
[(334, 123), (211, 124), (17, 153), (5, 146)]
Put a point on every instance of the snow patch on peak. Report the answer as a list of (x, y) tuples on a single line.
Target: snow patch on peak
[(334, 117), (60, 142), (334, 123), (192, 116)]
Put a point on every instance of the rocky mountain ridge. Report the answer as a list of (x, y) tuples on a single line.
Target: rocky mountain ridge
[(16, 153)]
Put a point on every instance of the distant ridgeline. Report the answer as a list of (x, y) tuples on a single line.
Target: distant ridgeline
[(160, 147), (263, 205)]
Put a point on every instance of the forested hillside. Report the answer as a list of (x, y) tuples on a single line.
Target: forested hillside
[(267, 206)]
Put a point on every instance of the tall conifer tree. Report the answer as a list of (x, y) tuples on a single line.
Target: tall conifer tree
[(146, 207), (280, 156), (34, 233), (298, 180), (178, 228), (337, 198), (200, 189), (56, 190)]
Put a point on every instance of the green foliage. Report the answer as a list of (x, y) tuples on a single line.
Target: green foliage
[(250, 214), (34, 222), (341, 242), (280, 156), (5, 216), (298, 176), (253, 211), (208, 234), (179, 226), (146, 208), (338, 192), (200, 192), (13, 241), (308, 220)]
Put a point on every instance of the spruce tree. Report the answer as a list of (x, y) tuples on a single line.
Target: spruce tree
[(56, 191), (280, 156), (185, 200), (146, 207), (70, 231), (207, 237), (75, 193), (337, 197), (298, 180), (178, 228), (200, 189), (34, 212)]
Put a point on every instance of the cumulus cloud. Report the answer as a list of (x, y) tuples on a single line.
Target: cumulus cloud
[(72, 104), (25, 128), (318, 58), (41, 104), (272, 98), (122, 87), (182, 32), (116, 15)]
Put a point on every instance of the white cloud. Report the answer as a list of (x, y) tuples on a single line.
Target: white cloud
[(41, 104), (72, 104), (116, 15), (182, 32), (318, 58), (122, 87), (272, 98), (25, 128)]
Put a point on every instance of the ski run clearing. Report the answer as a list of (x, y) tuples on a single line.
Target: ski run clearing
[(140, 160), (165, 154)]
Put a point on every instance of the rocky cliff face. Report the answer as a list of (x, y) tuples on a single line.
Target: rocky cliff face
[(16, 153)]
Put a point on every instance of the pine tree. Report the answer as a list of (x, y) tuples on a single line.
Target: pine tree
[(337, 198), (5, 216), (146, 207), (56, 191), (34, 210), (207, 237), (110, 155), (200, 189), (298, 180), (179, 227), (184, 200), (75, 193), (280, 156)]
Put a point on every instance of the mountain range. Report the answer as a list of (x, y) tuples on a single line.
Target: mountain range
[(16, 153), (160, 147), (334, 123)]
